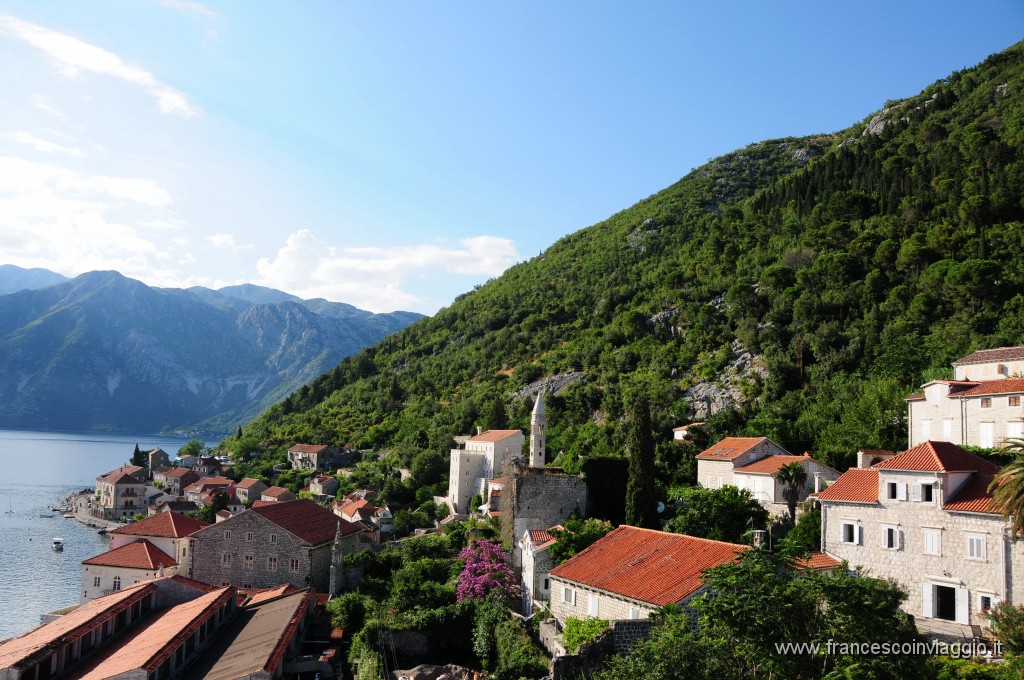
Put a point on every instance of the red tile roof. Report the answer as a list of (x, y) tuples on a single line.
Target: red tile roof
[(539, 539), (15, 651), (178, 472), (1002, 386), (973, 496), (985, 356), (730, 448), (216, 482), (118, 477), (493, 435), (655, 567), (168, 524), (817, 560), (932, 456), (771, 464), (276, 492), (856, 485), (247, 482), (309, 521), (140, 554), (307, 448), (262, 503)]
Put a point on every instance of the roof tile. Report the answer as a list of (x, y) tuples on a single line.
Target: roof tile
[(730, 448), (771, 464), (973, 496), (985, 356), (140, 554), (856, 485), (1001, 386), (168, 524), (494, 435), (931, 456)]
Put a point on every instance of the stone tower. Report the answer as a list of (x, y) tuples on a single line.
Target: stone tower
[(337, 570), (538, 433)]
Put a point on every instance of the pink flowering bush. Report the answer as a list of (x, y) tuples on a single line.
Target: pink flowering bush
[(486, 569), (1007, 623)]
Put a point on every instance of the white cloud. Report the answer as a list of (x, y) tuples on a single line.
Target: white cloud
[(190, 8), (379, 279), (227, 242), (42, 145), (74, 56)]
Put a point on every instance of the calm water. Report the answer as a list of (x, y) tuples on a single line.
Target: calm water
[(41, 469)]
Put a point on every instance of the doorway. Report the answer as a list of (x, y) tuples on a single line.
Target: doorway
[(945, 603)]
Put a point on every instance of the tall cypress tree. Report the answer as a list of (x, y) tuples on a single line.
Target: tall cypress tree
[(641, 497)]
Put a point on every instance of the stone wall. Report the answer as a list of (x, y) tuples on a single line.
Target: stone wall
[(572, 600), (589, 659), (543, 498), (627, 633)]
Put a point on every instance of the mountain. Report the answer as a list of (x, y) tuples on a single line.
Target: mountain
[(102, 352), (13, 279), (797, 288)]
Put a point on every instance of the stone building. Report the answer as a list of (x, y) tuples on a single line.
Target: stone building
[(631, 572), (537, 497), (924, 519), (320, 457), (753, 463), (248, 490), (121, 567), (119, 494), (271, 545), (484, 458), (536, 559), (981, 406), (176, 479)]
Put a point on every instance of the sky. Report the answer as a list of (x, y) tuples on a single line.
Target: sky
[(393, 155)]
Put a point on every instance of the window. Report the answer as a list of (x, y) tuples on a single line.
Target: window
[(227, 534), (986, 435), (947, 429), (851, 533), (926, 430), (932, 542), (546, 586), (1015, 430), (247, 561), (95, 581), (225, 559), (985, 602), (568, 595), (891, 537), (896, 491), (926, 493), (986, 402), (293, 564), (1015, 401), (273, 539), (890, 492), (976, 546), (248, 536), (634, 613), (592, 604), (117, 583), (271, 563)]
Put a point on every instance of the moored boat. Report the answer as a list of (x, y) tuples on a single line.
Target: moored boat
[(58, 544)]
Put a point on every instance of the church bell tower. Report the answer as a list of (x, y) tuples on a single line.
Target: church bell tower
[(538, 433)]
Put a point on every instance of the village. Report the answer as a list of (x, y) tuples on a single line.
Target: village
[(245, 594)]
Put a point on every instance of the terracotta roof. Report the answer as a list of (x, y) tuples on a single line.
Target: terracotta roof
[(817, 560), (973, 496), (262, 503), (146, 647), (730, 448), (771, 464), (276, 491), (17, 650), (856, 485), (932, 456), (1002, 386), (309, 521), (540, 539), (985, 356), (349, 507), (195, 585), (140, 554), (247, 482), (215, 482), (655, 567), (917, 396), (493, 435), (162, 469), (118, 477), (178, 472), (307, 448), (163, 525)]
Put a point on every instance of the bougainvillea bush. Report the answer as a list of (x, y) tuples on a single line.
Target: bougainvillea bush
[(1008, 627), (486, 569)]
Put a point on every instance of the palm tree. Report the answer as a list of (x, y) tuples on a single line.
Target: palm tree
[(792, 476), (1007, 488)]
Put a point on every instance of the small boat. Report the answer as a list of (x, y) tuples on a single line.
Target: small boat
[(58, 544), (68, 515), (102, 530)]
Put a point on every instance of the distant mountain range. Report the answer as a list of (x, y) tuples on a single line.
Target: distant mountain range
[(102, 352)]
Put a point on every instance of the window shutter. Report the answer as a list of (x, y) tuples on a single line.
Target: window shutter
[(962, 606), (592, 605), (915, 492), (901, 492), (927, 593), (860, 535)]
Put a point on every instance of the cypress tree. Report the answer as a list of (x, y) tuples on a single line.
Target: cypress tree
[(641, 497)]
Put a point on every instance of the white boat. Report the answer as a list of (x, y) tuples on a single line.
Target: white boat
[(58, 544)]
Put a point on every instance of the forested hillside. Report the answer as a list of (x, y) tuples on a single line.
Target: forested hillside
[(851, 266)]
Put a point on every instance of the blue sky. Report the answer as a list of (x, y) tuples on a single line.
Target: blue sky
[(393, 155)]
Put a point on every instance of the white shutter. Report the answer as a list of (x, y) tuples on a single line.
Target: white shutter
[(927, 595), (860, 535), (962, 602), (915, 493), (901, 492), (987, 435), (591, 605)]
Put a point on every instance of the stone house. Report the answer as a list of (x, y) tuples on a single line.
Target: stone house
[(924, 519), (483, 458), (176, 479), (157, 458), (248, 490), (124, 566), (320, 457), (207, 466), (631, 573), (753, 463), (277, 494), (324, 487), (981, 406), (118, 494), (168, 531), (272, 545), (536, 559), (207, 485)]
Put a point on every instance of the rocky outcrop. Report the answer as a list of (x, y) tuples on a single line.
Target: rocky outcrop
[(555, 384), (429, 672), (709, 397)]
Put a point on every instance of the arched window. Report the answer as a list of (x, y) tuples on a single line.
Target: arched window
[(117, 583)]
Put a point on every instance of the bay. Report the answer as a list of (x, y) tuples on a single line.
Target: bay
[(39, 470)]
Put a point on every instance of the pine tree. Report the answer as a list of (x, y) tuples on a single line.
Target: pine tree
[(138, 458), (641, 497)]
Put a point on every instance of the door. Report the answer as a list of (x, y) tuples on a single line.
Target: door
[(945, 603), (591, 605)]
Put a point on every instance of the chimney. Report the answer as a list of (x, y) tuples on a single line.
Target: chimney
[(760, 536), (479, 430), (817, 482)]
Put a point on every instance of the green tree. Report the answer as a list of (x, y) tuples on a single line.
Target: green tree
[(139, 457), (641, 496), (724, 514), (575, 535), (792, 476), (1007, 489), (193, 447)]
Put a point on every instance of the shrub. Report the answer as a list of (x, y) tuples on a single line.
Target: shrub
[(580, 631), (1008, 626)]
